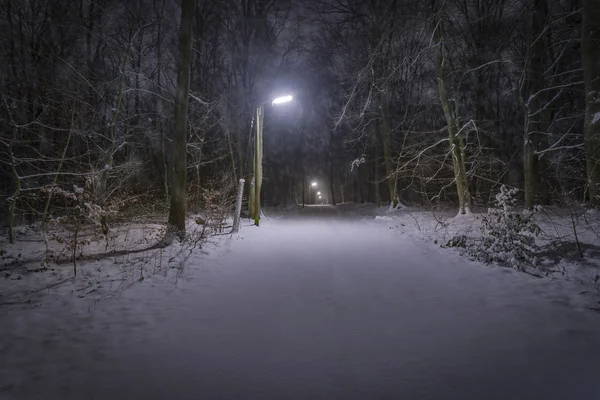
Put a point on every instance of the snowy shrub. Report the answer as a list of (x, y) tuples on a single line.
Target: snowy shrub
[(506, 237), (79, 213), (77, 204), (459, 241)]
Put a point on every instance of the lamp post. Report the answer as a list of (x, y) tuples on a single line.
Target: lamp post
[(310, 189), (258, 157)]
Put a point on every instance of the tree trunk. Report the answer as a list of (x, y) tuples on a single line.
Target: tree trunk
[(303, 181), (387, 151), (377, 193), (376, 167), (240, 148), (159, 101), (251, 191), (454, 128), (331, 162), (231, 156), (179, 176), (368, 184), (303, 162), (13, 200), (331, 186), (109, 150), (590, 50), (533, 105)]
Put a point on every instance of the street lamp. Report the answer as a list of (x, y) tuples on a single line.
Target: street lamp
[(282, 99), (258, 156), (310, 189)]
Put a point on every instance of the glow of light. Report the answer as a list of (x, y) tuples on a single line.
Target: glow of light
[(313, 184), (282, 99), (319, 193)]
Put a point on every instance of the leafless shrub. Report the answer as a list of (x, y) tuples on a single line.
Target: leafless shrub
[(216, 203), (440, 219), (80, 215)]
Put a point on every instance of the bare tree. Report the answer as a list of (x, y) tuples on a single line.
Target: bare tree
[(590, 50), (452, 113), (179, 176)]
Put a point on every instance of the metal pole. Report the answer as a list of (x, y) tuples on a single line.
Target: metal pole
[(251, 146), (238, 207), (258, 173)]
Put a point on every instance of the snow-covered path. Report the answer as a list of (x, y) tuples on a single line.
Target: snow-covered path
[(313, 308)]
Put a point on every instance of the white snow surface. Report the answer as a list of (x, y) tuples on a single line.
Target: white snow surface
[(320, 303)]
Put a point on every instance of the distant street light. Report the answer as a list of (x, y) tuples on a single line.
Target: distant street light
[(258, 156), (310, 189), (319, 193)]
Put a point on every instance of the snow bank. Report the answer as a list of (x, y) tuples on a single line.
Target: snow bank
[(104, 265)]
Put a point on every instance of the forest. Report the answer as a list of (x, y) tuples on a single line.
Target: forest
[(299, 199), (112, 108)]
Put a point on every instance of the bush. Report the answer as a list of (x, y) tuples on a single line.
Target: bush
[(507, 237), (215, 202), (76, 225)]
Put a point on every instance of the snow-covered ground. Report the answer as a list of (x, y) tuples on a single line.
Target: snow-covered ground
[(320, 303), (569, 242)]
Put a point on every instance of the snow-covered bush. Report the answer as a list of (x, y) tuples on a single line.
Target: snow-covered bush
[(506, 237), (77, 205), (79, 214)]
